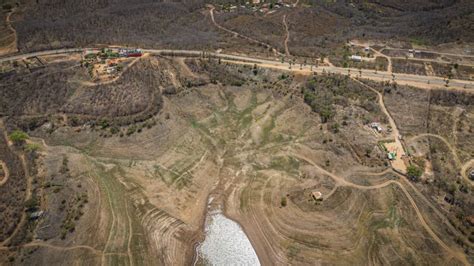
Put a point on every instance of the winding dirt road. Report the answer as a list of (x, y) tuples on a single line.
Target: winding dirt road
[(12, 47), (341, 181), (450, 147), (268, 46), (398, 163)]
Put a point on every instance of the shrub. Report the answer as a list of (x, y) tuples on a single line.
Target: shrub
[(32, 147), (131, 130), (114, 130), (31, 204), (18, 137), (414, 172), (283, 202)]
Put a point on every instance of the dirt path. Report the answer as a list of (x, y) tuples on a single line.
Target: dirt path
[(456, 117), (389, 59), (398, 163), (341, 181), (433, 52), (429, 69), (451, 149), (44, 244), (429, 61), (130, 234), (4, 178), (287, 37), (28, 184), (211, 12), (13, 47), (113, 224), (423, 82)]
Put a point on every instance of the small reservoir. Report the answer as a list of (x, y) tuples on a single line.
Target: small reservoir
[(225, 243)]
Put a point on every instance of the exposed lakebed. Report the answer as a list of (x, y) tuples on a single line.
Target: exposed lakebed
[(225, 243)]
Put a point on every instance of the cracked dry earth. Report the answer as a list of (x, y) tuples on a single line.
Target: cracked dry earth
[(248, 149)]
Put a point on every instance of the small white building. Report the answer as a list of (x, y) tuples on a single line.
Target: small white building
[(376, 126), (366, 49), (111, 70), (356, 58), (316, 195)]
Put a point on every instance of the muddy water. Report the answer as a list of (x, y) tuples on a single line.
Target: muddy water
[(225, 243)]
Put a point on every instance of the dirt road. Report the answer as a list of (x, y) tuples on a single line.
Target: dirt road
[(28, 184), (424, 82), (211, 12), (341, 181), (450, 147), (397, 146), (4, 178), (13, 47)]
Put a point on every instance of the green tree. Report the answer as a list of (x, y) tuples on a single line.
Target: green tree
[(32, 147), (18, 137), (414, 172)]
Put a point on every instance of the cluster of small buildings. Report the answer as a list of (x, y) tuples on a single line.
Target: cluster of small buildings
[(109, 53), (130, 52), (258, 5), (111, 67), (109, 57), (413, 52), (358, 58)]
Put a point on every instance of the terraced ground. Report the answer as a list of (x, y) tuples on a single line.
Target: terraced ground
[(246, 137), (8, 39)]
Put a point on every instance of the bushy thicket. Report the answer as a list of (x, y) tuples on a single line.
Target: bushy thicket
[(322, 93), (40, 92), (49, 24), (12, 193), (422, 21), (28, 100), (135, 91)]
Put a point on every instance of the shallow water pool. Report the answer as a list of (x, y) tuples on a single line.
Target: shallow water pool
[(225, 243)]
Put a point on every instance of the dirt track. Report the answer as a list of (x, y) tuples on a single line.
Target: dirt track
[(424, 82), (249, 147), (13, 47), (211, 12), (4, 178), (456, 254)]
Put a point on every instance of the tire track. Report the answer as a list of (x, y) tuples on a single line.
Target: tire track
[(454, 254), (268, 46)]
